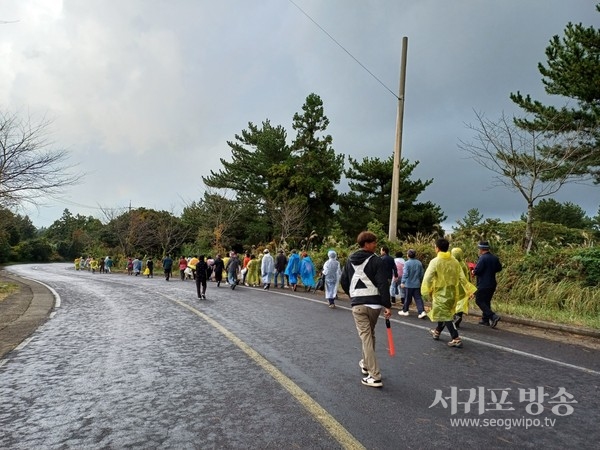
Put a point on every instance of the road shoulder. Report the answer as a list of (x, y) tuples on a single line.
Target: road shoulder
[(22, 312)]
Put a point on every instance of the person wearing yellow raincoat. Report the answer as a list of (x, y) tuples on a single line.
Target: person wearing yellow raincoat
[(253, 275), (224, 271), (93, 264), (192, 265), (462, 306), (442, 283)]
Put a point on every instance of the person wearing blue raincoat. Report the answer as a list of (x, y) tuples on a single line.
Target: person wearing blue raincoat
[(293, 269), (307, 272)]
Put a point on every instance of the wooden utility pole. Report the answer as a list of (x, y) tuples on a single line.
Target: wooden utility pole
[(393, 229)]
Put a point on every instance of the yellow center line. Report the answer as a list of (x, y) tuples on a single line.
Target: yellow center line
[(327, 421)]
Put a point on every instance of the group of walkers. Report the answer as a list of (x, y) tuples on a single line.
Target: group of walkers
[(102, 265), (281, 271), (372, 282)]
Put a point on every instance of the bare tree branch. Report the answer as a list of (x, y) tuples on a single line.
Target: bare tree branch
[(524, 160), (30, 166), (289, 218)]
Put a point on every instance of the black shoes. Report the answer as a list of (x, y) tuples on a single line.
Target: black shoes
[(495, 321), (492, 322)]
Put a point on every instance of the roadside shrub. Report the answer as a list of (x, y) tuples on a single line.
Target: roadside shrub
[(4, 248), (544, 233), (589, 258), (34, 250)]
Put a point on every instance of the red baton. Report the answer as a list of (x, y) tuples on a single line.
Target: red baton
[(391, 348)]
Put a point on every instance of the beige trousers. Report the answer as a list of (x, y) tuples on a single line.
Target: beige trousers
[(365, 319)]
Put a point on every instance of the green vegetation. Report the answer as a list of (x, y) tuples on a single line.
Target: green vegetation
[(559, 285), (572, 71), (558, 281)]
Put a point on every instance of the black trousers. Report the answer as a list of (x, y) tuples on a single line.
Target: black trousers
[(483, 298), (450, 325), (200, 287)]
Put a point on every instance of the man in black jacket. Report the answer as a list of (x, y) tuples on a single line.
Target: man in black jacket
[(218, 267), (485, 271), (167, 264), (365, 281), (391, 268), (280, 264)]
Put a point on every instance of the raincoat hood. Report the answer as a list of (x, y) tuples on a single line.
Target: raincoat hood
[(331, 254), (457, 253)]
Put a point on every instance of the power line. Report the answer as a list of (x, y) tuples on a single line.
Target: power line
[(95, 208), (342, 47)]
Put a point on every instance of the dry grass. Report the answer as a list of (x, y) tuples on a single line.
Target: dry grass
[(565, 302), (6, 289)]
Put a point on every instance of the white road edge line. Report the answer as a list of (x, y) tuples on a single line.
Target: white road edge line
[(22, 345), (57, 300)]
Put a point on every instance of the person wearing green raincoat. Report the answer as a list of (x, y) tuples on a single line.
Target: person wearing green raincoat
[(442, 283), (462, 306)]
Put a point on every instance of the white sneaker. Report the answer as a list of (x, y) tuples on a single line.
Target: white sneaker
[(403, 313), (363, 369), (371, 382), (422, 315)]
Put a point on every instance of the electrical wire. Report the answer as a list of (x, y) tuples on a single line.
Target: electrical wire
[(343, 48)]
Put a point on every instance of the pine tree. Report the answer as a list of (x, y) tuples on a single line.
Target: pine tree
[(317, 169), (572, 71), (370, 182), (258, 171)]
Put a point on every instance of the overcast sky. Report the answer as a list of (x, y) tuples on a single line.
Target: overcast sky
[(145, 93)]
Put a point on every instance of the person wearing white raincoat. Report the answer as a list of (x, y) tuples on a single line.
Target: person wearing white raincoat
[(443, 283), (267, 268), (331, 274)]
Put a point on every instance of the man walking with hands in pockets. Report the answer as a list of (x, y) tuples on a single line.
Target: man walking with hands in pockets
[(365, 280), (487, 266)]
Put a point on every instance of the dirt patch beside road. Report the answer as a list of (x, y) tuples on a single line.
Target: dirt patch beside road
[(7, 288), (22, 311)]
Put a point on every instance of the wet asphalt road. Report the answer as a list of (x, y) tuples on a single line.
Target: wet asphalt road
[(131, 362)]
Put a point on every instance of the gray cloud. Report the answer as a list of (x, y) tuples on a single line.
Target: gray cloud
[(145, 94)]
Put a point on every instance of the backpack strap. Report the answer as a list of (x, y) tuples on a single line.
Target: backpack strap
[(361, 285)]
